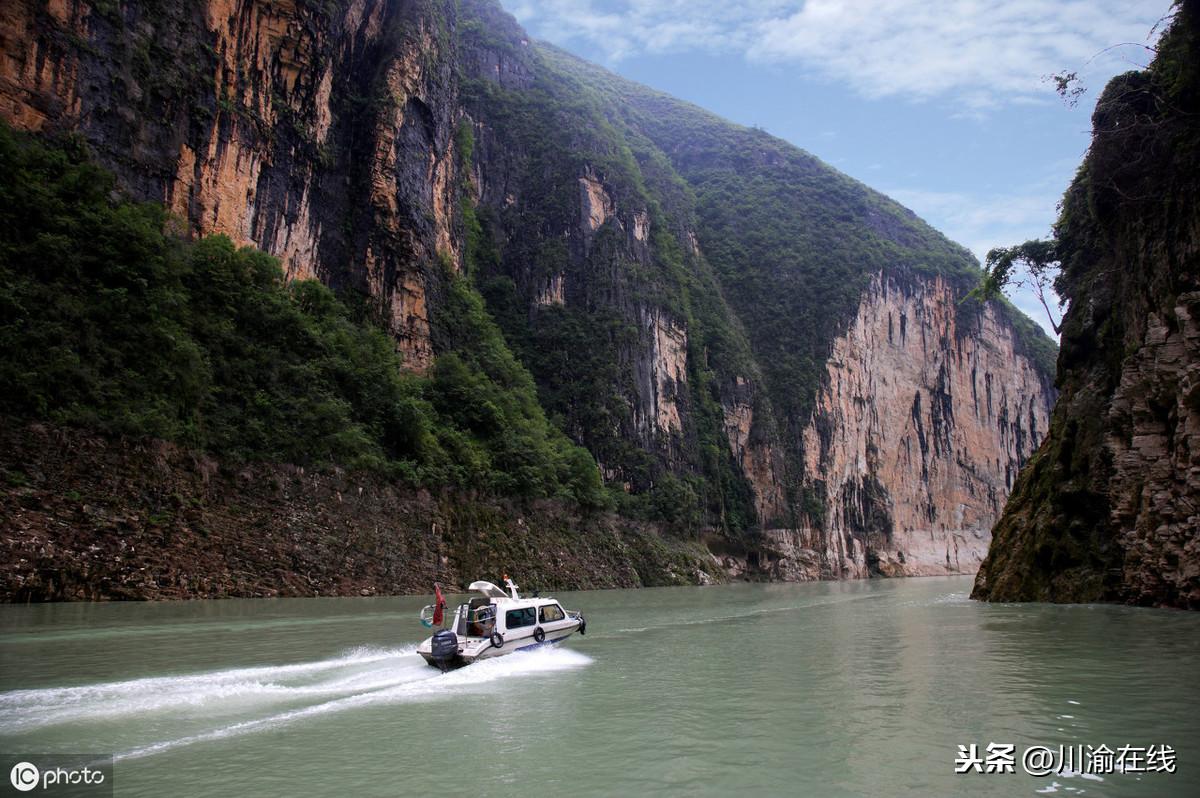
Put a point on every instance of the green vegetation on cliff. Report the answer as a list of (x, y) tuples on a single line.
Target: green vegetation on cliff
[(607, 188), (1106, 509), (582, 352), (108, 323), (792, 241)]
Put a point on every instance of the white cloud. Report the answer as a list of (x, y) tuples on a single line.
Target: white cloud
[(981, 222), (980, 52)]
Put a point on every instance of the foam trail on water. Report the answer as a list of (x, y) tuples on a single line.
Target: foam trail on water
[(357, 670), (257, 625), (430, 687)]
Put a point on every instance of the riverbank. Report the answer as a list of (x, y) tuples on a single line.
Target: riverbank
[(86, 517)]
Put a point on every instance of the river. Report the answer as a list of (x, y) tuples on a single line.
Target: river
[(825, 689)]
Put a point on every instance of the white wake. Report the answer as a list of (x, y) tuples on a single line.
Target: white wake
[(272, 695)]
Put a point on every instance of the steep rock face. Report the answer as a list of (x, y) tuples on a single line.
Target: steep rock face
[(757, 452), (927, 414), (376, 144), (321, 134), (1109, 508), (667, 373), (1155, 445)]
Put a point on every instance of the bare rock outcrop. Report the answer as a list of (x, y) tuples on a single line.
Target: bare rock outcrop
[(928, 411), (1109, 508)]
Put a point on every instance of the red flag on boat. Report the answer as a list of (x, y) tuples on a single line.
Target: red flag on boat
[(439, 604)]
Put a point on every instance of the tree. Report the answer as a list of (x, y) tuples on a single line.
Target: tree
[(1033, 264)]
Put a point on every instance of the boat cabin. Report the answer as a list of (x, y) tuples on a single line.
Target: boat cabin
[(496, 611)]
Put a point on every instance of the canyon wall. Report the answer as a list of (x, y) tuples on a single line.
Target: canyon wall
[(322, 134), (1109, 509), (928, 411), (756, 349)]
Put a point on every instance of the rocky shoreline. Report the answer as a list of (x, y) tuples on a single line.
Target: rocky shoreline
[(90, 518)]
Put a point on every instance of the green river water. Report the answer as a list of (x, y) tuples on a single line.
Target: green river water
[(827, 689)]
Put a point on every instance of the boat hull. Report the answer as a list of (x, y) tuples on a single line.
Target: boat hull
[(487, 651)]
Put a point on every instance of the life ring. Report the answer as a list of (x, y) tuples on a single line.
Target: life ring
[(497, 640), (539, 634), (582, 625)]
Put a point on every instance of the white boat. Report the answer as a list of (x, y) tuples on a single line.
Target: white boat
[(496, 623)]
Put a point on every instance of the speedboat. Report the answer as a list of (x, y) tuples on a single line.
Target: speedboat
[(495, 623)]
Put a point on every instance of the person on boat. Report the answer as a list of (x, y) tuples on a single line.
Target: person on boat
[(484, 623)]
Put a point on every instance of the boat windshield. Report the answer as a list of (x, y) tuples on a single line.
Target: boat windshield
[(550, 613)]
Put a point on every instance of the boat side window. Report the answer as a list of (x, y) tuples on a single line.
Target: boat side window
[(515, 619), (552, 612)]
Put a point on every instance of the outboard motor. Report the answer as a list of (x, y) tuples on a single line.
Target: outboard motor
[(443, 647)]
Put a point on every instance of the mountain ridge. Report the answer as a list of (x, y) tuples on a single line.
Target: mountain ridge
[(431, 164)]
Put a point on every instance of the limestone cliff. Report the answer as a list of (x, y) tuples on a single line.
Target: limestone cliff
[(755, 348), (928, 412), (320, 133), (1109, 508)]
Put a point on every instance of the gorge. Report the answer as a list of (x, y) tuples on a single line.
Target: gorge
[(769, 365)]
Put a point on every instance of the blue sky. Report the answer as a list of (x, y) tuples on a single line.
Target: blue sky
[(941, 104)]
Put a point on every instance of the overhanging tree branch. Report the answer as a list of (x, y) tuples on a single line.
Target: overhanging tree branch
[(1039, 261)]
